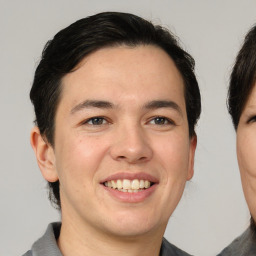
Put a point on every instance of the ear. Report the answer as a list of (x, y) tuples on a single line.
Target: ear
[(192, 149), (44, 154)]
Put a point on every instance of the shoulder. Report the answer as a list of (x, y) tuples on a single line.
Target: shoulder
[(28, 253), (244, 245), (47, 245), (170, 249)]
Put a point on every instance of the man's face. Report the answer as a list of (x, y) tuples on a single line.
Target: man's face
[(122, 122), (246, 150)]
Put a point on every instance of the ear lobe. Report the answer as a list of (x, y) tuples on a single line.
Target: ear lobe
[(193, 143), (44, 154)]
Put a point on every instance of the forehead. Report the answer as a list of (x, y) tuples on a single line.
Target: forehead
[(123, 72)]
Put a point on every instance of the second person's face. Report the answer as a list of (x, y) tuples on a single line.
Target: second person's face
[(246, 151)]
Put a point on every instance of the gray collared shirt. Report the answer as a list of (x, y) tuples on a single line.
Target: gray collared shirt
[(244, 245), (47, 245)]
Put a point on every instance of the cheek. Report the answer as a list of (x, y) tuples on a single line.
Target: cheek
[(173, 154), (246, 154), (78, 158)]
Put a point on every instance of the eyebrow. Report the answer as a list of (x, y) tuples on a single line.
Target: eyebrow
[(163, 104), (91, 104), (108, 105)]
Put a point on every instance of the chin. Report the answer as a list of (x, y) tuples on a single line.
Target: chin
[(130, 227), (131, 232)]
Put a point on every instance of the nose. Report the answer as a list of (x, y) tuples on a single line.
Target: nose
[(131, 144)]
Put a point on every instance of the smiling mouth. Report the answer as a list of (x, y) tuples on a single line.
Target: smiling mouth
[(130, 186)]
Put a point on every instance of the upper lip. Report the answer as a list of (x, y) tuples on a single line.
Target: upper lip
[(130, 176)]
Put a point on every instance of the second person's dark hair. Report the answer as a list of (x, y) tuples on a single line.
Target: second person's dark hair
[(243, 77)]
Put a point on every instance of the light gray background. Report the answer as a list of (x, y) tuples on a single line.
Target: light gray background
[(212, 211)]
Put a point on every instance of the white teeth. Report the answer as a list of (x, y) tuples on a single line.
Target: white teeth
[(147, 184), (130, 186), (119, 184), (126, 184), (135, 184), (113, 184)]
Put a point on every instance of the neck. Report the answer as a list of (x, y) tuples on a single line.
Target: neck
[(78, 240)]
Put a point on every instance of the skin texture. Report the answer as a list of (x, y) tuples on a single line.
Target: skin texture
[(246, 149), (128, 140)]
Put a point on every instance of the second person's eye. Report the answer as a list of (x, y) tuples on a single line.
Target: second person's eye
[(251, 119)]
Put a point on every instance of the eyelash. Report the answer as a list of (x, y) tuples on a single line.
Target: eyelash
[(91, 120), (166, 120), (99, 120), (251, 119)]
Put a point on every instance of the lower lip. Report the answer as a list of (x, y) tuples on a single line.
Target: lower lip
[(134, 197)]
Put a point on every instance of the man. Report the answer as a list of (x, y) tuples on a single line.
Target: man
[(116, 102), (242, 108)]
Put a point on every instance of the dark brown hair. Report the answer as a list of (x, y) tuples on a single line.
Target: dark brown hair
[(243, 77)]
